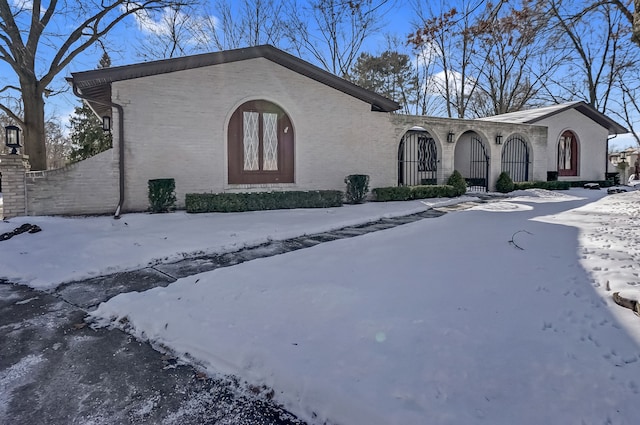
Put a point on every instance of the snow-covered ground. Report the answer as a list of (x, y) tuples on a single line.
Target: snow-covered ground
[(71, 249), (442, 321)]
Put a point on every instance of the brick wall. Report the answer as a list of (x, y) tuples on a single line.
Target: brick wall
[(175, 127), (86, 187), (12, 168)]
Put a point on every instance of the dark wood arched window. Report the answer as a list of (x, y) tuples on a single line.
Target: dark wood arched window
[(568, 154), (260, 144)]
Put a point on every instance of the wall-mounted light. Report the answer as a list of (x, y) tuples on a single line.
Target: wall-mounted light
[(106, 123), (499, 139), (12, 138), (450, 137)]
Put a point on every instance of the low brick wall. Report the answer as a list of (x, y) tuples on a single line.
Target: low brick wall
[(86, 187)]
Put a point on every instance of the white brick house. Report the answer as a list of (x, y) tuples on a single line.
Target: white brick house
[(257, 119), (577, 140)]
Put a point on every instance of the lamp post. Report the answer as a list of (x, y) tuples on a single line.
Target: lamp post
[(12, 138)]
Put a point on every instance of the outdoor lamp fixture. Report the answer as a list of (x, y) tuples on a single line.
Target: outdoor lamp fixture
[(499, 139), (106, 123), (450, 137), (12, 138)]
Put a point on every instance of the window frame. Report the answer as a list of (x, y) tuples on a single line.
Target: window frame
[(236, 151), (573, 150)]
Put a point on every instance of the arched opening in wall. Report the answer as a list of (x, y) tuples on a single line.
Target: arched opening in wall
[(471, 159), (515, 158), (568, 154), (260, 144), (417, 158)]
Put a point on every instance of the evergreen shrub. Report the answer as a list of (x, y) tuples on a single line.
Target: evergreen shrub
[(504, 183), (457, 181), (357, 188), (162, 197)]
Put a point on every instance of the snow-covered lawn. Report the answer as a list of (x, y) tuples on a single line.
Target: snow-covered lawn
[(442, 321), (76, 248)]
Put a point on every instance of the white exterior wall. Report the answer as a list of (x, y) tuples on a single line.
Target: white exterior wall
[(86, 187), (175, 127), (454, 155), (592, 144)]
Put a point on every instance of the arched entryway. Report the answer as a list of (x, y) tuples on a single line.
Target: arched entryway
[(472, 161), (515, 158), (417, 158)]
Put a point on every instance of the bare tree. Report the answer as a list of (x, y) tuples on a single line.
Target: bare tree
[(518, 60), (631, 15), (333, 31), (175, 33), (235, 24), (446, 36), (58, 145), (31, 44)]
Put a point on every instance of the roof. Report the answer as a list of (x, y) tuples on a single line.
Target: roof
[(97, 83), (532, 116)]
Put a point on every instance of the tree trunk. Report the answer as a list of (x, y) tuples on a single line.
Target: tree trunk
[(636, 22), (34, 137)]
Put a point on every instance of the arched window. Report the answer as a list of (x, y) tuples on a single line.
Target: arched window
[(568, 154), (260, 144)]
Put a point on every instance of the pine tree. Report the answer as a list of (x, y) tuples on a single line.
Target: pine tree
[(87, 137)]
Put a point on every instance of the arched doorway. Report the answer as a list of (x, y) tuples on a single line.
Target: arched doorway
[(417, 158), (472, 161), (515, 159)]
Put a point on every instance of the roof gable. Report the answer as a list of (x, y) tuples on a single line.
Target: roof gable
[(532, 116), (97, 83)]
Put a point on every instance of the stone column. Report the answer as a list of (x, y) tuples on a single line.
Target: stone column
[(14, 197)]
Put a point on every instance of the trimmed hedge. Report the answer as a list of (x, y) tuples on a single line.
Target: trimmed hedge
[(437, 191), (392, 193), (602, 183), (257, 201), (549, 185), (405, 193)]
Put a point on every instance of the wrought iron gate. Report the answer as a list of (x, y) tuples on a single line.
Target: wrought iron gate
[(478, 179), (515, 159), (417, 159)]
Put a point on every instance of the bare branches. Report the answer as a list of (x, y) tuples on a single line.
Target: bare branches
[(333, 31)]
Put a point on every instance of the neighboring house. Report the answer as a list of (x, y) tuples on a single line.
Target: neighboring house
[(577, 138), (626, 163), (260, 119)]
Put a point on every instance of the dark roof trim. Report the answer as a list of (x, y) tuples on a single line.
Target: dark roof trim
[(590, 112), (99, 78)]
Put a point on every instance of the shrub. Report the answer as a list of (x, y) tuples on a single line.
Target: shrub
[(162, 197), (256, 201), (357, 188), (504, 183), (457, 181), (549, 185), (393, 193), (437, 191)]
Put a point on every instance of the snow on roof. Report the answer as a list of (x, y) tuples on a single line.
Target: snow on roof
[(532, 116)]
